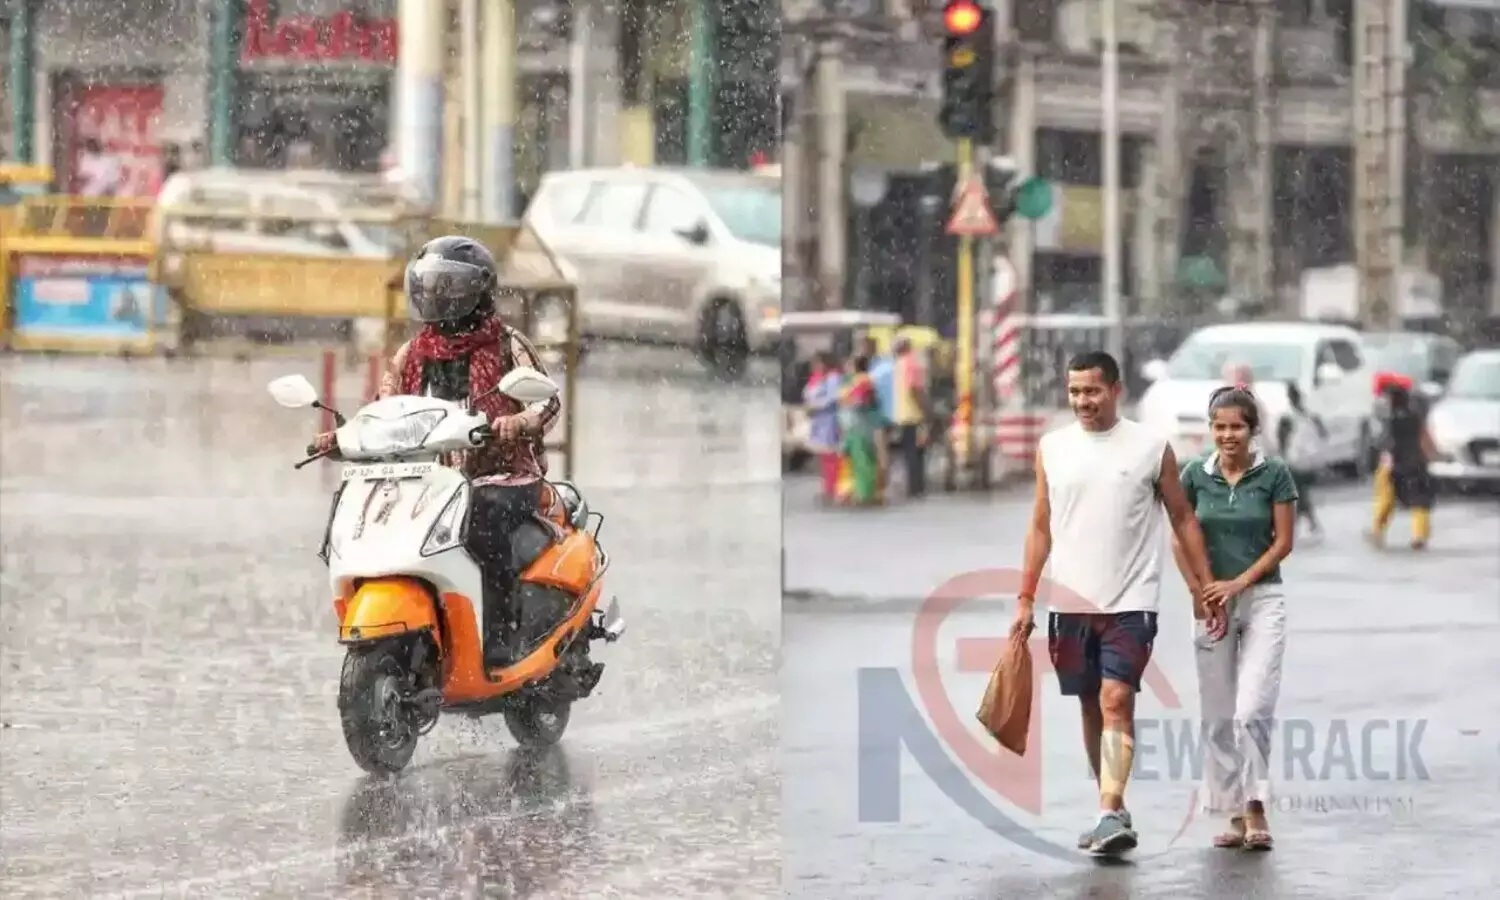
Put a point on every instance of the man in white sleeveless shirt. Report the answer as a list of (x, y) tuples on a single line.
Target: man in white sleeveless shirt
[(1101, 485)]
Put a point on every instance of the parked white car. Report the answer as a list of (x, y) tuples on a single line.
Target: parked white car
[(292, 212), (1465, 423), (1327, 362), (685, 256)]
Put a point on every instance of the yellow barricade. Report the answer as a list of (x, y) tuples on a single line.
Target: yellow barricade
[(75, 275)]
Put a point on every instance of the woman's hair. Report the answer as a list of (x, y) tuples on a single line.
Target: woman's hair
[(1239, 398), (826, 359), (862, 363)]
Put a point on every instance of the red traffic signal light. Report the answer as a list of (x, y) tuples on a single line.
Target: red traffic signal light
[(962, 17)]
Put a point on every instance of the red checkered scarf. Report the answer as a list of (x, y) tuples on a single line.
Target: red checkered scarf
[(489, 359)]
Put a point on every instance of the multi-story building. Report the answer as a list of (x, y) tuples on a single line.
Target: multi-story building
[(1238, 133)]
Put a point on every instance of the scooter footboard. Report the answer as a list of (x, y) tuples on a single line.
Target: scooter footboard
[(388, 607)]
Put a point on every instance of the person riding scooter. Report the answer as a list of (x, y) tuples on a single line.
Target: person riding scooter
[(461, 353)]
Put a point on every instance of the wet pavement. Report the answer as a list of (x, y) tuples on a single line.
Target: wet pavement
[(1391, 670), (170, 662)]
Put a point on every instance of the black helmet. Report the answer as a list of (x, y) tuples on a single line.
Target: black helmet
[(451, 281)]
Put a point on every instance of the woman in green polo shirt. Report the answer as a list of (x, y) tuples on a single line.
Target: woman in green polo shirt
[(1247, 507)]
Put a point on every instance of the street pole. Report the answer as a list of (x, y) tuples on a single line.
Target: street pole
[(1110, 97), (22, 74), (578, 85), (419, 95), (831, 144), (472, 126), (498, 93), (222, 71), (701, 66), (963, 374)]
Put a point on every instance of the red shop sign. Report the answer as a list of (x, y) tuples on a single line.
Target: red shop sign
[(341, 36)]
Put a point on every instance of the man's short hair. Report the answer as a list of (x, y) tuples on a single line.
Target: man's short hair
[(1108, 368)]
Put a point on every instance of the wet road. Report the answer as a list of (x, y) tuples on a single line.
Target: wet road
[(170, 662), (1379, 641)]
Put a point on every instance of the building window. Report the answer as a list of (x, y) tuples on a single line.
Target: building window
[(1077, 157)]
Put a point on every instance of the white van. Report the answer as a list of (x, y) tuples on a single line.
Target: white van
[(1328, 363), (301, 213)]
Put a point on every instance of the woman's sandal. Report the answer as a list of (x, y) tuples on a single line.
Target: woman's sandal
[(1234, 838), (1259, 840)]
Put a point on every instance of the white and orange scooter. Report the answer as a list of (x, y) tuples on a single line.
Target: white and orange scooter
[(407, 593)]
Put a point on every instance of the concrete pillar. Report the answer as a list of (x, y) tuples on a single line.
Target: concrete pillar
[(419, 94), (1495, 248), (1172, 171), (498, 118), (637, 137), (1263, 142)]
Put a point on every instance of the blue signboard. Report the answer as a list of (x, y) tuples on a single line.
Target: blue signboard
[(85, 300)]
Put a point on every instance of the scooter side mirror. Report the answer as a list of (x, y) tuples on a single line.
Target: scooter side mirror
[(293, 392), (527, 385)]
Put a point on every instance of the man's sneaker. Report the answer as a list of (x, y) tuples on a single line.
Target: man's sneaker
[(1112, 835), (1086, 839)]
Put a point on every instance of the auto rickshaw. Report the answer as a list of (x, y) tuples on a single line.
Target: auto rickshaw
[(803, 336)]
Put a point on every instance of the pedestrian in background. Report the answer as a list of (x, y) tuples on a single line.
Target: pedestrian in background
[(909, 413), (1402, 477), (883, 377), (860, 423), (1245, 502), (821, 399), (1242, 376), (1300, 439)]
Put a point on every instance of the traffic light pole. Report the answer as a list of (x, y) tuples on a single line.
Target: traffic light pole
[(963, 374)]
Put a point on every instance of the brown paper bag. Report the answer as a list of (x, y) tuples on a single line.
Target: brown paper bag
[(1005, 711)]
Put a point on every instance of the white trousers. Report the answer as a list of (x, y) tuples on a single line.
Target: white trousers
[(1239, 679)]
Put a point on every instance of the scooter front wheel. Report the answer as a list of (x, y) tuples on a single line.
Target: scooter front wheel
[(535, 725), (379, 735)]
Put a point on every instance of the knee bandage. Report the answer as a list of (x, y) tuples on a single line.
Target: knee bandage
[(1116, 754)]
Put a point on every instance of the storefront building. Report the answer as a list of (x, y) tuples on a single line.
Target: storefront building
[(124, 80), (311, 83)]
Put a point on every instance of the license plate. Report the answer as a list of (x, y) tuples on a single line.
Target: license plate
[(1490, 458), (384, 471)]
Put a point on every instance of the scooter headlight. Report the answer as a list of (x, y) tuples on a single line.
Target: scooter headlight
[(447, 529), (367, 437)]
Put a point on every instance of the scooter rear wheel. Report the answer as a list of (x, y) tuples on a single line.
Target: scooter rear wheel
[(379, 736), (536, 726)]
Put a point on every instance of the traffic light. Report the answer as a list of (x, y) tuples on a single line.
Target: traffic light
[(1010, 192), (968, 70), (1014, 194)]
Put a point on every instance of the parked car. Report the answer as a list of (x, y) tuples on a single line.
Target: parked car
[(685, 256), (1427, 359), (297, 213), (1465, 423), (1328, 363)]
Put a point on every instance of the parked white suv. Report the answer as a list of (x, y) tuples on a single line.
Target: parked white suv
[(684, 256), (1327, 362)]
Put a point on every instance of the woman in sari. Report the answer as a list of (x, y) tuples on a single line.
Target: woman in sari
[(821, 397), (862, 422)]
